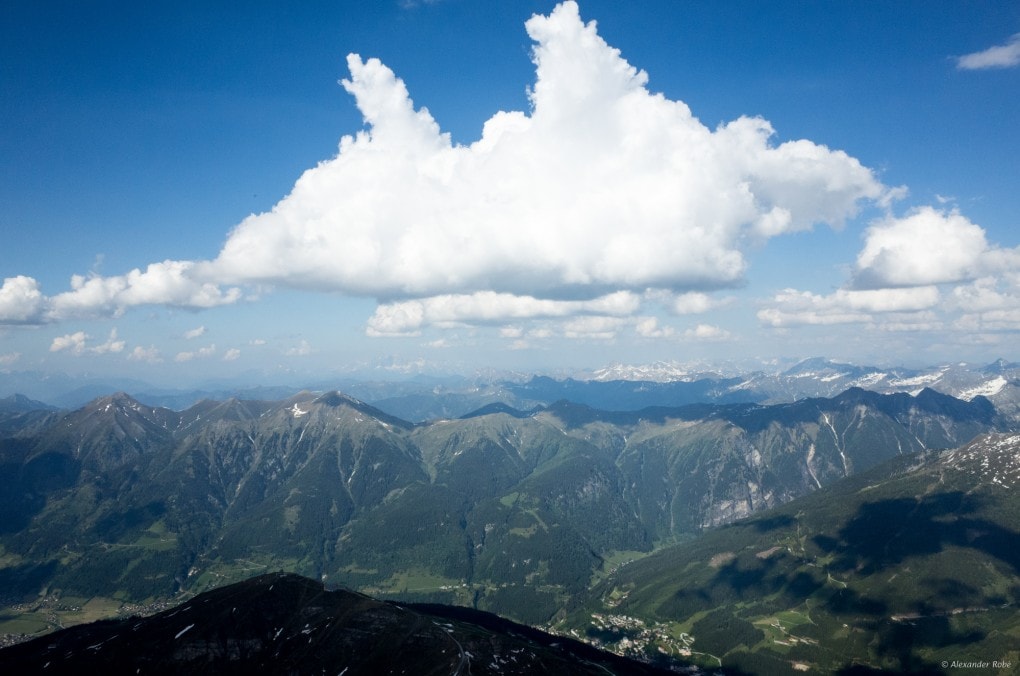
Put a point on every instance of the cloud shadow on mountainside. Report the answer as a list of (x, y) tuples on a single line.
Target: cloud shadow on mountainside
[(887, 532), (25, 581), (746, 579), (25, 485), (771, 523)]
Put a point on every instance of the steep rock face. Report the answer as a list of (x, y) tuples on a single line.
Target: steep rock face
[(701, 466)]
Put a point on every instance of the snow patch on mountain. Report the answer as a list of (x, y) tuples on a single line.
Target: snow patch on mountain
[(922, 380), (987, 389), (660, 372), (870, 379), (993, 459)]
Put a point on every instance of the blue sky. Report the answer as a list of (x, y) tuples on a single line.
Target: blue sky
[(683, 180)]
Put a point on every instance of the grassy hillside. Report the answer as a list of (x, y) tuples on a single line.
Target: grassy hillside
[(906, 567)]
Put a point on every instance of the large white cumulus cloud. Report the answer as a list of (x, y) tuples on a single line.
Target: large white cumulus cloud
[(925, 247), (21, 301), (603, 187)]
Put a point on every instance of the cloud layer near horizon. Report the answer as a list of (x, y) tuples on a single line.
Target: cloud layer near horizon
[(898, 274), (603, 188)]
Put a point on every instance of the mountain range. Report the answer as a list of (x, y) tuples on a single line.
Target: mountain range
[(618, 387), (506, 510)]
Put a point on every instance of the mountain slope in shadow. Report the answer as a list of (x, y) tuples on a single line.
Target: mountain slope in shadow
[(282, 623)]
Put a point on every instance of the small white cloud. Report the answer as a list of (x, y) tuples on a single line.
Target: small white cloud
[(414, 4), (1006, 319), (302, 349), (9, 358), (232, 354), (256, 342), (194, 333), (999, 56), (917, 321), (112, 345), (150, 354), (72, 342), (707, 332), (648, 327), (694, 303), (200, 353), (76, 344), (597, 327)]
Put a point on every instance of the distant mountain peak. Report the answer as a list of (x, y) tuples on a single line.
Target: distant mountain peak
[(118, 398), (19, 403), (119, 402), (661, 371), (500, 407), (305, 403), (999, 366), (337, 398), (817, 365)]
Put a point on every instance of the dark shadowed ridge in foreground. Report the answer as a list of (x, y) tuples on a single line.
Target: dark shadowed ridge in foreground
[(282, 623)]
